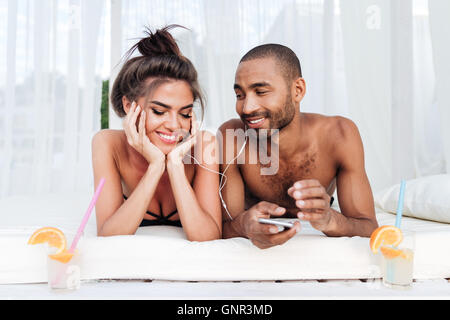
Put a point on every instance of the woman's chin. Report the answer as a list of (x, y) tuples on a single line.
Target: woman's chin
[(165, 148)]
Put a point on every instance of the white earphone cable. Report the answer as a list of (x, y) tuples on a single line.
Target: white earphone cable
[(221, 186)]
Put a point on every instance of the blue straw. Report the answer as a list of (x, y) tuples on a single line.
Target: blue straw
[(398, 219), (400, 204)]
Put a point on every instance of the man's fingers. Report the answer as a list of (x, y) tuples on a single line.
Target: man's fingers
[(307, 193), (307, 184), (312, 204), (267, 229), (310, 216), (290, 191), (270, 229), (270, 208), (267, 241), (282, 237)]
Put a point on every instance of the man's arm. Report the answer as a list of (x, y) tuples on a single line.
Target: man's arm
[(238, 222), (354, 193), (233, 192)]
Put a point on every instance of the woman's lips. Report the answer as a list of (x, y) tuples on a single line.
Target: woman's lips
[(167, 137)]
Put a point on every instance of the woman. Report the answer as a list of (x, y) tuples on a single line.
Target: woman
[(147, 182)]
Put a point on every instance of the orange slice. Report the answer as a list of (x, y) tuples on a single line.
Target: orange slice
[(385, 235), (53, 236), (63, 256), (391, 253)]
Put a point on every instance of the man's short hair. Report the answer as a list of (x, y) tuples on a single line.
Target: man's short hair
[(285, 57)]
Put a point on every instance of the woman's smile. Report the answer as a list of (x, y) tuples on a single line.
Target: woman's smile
[(169, 138)]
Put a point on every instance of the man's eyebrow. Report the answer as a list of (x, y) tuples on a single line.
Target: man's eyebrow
[(254, 85), (259, 84), (169, 107)]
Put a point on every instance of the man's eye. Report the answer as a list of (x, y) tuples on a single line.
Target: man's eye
[(261, 92), (159, 113)]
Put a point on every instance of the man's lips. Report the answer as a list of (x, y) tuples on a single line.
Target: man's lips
[(255, 122)]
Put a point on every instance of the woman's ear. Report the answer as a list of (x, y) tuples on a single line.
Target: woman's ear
[(126, 104), (299, 87)]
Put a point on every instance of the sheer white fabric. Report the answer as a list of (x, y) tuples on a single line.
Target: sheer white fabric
[(371, 61), (384, 64), (50, 91), (440, 30)]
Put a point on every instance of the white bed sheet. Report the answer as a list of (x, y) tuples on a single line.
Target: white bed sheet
[(163, 253)]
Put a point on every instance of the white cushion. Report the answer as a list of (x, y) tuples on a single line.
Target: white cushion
[(425, 198), (162, 252)]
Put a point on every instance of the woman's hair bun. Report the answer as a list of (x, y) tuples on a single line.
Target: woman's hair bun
[(158, 43)]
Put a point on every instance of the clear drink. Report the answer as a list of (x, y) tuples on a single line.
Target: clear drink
[(397, 263), (64, 275)]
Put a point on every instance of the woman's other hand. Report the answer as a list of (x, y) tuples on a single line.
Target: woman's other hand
[(175, 157)]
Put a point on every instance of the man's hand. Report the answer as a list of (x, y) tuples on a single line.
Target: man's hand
[(313, 201), (264, 235)]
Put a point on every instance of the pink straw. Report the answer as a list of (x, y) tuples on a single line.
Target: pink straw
[(87, 215), (58, 277)]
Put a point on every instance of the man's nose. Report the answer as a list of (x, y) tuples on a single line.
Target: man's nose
[(249, 106)]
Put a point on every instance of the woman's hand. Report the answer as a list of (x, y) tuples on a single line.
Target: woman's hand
[(175, 157), (138, 139)]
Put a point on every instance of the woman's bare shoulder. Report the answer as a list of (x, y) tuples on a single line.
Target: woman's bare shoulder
[(109, 137), (108, 142)]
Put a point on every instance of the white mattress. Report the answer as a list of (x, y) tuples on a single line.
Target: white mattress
[(163, 253)]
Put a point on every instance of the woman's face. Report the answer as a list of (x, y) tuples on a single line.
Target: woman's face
[(169, 112)]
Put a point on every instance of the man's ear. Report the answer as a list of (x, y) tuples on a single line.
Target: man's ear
[(299, 89), (126, 104)]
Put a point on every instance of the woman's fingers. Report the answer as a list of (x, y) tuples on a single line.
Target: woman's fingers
[(129, 124), (133, 119), (194, 124), (141, 132)]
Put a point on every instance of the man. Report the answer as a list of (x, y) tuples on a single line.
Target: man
[(316, 153)]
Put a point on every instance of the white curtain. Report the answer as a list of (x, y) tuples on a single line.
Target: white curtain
[(371, 61), (390, 60), (384, 64), (440, 31), (50, 93), (221, 32)]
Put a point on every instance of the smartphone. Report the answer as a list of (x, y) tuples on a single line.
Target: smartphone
[(286, 224)]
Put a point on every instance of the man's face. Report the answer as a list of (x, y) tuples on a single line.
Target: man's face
[(263, 99)]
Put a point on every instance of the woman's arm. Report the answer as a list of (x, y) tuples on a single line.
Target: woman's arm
[(114, 215), (198, 205)]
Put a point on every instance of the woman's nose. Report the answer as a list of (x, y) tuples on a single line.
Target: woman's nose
[(172, 122)]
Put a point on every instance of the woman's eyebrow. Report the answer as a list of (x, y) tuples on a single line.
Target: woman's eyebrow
[(169, 107)]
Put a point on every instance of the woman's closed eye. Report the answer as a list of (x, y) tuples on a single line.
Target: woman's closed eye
[(186, 115), (157, 112)]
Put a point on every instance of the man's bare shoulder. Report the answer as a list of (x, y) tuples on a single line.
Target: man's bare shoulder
[(340, 128), (346, 145), (338, 135)]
